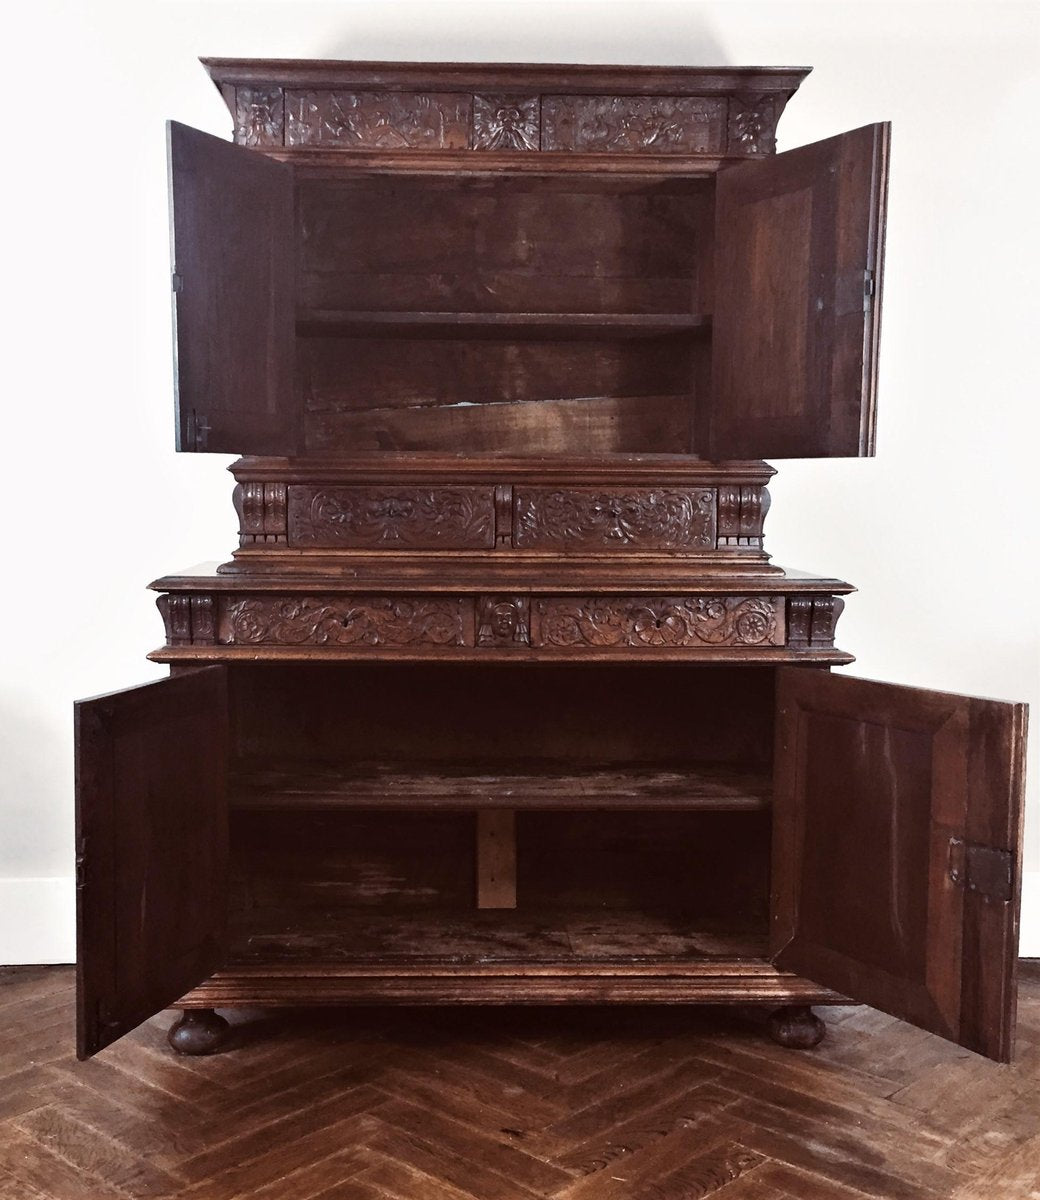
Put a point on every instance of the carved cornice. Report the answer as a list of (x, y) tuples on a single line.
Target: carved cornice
[(496, 109)]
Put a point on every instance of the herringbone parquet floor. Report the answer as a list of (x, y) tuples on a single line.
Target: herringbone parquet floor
[(511, 1105)]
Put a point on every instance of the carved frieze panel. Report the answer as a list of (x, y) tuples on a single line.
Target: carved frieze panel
[(634, 124), (259, 116), (504, 621), (752, 124), (661, 621), (407, 517), (587, 518), (360, 621), (506, 122), (378, 120)]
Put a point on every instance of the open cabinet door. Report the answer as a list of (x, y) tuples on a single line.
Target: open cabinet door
[(798, 255), (897, 850), (232, 233), (151, 846)]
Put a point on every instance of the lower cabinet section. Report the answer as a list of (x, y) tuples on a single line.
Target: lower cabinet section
[(377, 832)]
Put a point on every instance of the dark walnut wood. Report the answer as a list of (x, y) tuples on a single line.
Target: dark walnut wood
[(502, 700), (151, 848), (797, 1027), (897, 856), (199, 1031)]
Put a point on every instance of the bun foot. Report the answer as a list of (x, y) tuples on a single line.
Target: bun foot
[(198, 1031), (796, 1027)]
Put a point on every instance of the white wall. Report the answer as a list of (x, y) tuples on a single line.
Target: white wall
[(937, 531)]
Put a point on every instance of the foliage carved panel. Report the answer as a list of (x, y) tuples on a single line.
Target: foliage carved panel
[(634, 124), (406, 517), (379, 120), (661, 621), (587, 518), (506, 122), (259, 116), (373, 622)]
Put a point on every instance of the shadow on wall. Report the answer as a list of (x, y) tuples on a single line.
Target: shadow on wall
[(547, 32)]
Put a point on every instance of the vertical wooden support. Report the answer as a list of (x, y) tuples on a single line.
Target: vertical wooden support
[(496, 859)]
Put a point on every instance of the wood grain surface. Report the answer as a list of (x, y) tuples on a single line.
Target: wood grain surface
[(511, 1105)]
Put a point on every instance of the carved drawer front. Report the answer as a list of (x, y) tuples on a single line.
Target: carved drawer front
[(415, 518), (360, 622), (589, 518), (659, 622)]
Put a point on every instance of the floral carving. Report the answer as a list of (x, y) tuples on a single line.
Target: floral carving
[(648, 518), (662, 621), (462, 518), (260, 116), (752, 125), (379, 120), (506, 122), (374, 621), (633, 124), (504, 621)]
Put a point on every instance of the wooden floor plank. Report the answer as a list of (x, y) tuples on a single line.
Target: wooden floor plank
[(501, 1104)]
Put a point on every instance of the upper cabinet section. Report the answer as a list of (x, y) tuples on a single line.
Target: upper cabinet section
[(418, 108), (552, 262)]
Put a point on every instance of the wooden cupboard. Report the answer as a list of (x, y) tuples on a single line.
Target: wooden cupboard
[(500, 699)]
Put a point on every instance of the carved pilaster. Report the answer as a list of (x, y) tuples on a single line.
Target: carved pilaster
[(262, 512), (189, 620), (799, 621), (504, 621), (825, 613), (742, 512)]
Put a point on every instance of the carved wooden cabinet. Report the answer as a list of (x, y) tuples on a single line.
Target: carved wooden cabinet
[(500, 698)]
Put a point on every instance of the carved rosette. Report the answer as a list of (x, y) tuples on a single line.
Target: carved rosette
[(259, 116), (379, 120), (504, 621), (407, 517), (633, 124), (662, 621), (649, 519), (506, 122), (361, 621)]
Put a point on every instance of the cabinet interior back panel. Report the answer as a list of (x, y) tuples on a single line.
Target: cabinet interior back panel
[(504, 245), (497, 394)]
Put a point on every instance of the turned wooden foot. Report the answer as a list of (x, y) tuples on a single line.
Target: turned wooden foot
[(198, 1031), (796, 1027)]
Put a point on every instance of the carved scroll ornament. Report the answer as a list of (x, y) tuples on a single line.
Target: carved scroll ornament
[(662, 621)]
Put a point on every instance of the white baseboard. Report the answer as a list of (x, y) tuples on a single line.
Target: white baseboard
[(37, 921)]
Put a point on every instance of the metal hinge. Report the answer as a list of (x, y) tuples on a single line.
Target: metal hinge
[(869, 287), (176, 282), (982, 869), (198, 430), (81, 864)]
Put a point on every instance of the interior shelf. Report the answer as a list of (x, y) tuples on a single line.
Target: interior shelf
[(513, 325), (564, 935), (465, 786)]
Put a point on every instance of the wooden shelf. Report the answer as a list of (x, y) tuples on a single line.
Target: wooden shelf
[(542, 936), (561, 326), (472, 786)]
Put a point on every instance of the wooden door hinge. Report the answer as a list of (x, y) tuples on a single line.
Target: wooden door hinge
[(982, 869)]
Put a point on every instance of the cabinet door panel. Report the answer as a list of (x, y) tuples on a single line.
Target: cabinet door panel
[(234, 308), (151, 842), (799, 242), (897, 850)]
